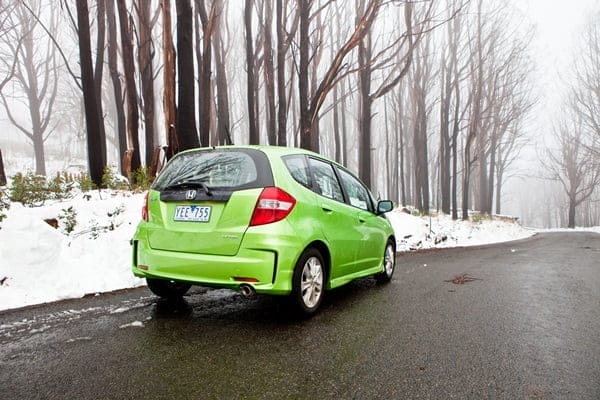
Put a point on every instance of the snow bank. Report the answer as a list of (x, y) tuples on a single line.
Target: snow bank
[(414, 232), (39, 263)]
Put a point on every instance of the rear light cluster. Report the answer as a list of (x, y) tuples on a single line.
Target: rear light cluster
[(273, 205), (145, 208)]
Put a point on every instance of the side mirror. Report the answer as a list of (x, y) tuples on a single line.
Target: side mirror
[(384, 206)]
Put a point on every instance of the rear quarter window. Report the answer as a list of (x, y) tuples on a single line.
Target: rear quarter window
[(298, 169)]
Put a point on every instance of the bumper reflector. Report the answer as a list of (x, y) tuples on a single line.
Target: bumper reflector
[(244, 279)]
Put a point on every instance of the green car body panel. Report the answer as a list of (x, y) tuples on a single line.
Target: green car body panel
[(227, 252)]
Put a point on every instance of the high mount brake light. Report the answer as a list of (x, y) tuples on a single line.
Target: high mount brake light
[(273, 205), (145, 208)]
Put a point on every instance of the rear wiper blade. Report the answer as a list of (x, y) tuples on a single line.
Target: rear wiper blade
[(190, 184)]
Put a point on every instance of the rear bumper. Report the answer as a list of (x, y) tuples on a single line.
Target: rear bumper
[(267, 270)]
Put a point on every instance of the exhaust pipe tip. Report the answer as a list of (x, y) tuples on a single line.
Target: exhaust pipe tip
[(247, 291)]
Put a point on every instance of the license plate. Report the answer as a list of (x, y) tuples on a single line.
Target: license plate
[(192, 213)]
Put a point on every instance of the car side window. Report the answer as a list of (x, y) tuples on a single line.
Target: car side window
[(358, 195), (298, 169), (325, 180)]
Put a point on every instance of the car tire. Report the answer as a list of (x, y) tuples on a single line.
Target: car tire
[(167, 289), (389, 263), (308, 282)]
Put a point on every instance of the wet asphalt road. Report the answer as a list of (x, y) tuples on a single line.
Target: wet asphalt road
[(527, 328)]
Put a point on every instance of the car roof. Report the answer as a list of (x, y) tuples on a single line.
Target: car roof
[(269, 150)]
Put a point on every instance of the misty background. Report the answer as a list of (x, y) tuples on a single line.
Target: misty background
[(450, 106)]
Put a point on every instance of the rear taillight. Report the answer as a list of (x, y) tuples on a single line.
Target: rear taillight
[(145, 208), (273, 205)]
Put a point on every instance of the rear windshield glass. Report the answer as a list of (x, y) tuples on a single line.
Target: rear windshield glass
[(216, 169)]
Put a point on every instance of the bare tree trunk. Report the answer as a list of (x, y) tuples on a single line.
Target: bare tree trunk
[(146, 58), (100, 42), (90, 100), (269, 72), (204, 55), (499, 175), (223, 117), (491, 174), (251, 79), (445, 155), (303, 89), (366, 102), (2, 173), (336, 126), (282, 48), (116, 81), (169, 105), (130, 88), (344, 133), (187, 135)]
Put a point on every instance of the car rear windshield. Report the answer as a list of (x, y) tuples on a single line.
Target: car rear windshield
[(220, 169)]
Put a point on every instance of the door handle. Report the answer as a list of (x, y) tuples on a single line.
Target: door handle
[(361, 220), (326, 209)]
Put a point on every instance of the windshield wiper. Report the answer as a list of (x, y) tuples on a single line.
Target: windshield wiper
[(190, 184)]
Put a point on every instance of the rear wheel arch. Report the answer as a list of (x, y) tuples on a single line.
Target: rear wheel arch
[(392, 238), (324, 250)]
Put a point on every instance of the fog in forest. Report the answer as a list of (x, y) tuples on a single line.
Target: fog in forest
[(452, 106)]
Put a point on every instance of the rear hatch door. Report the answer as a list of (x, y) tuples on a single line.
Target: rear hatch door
[(203, 201)]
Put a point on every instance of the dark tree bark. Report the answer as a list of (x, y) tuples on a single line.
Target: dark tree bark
[(282, 48), (306, 128), (130, 88), (269, 72), (99, 68), (220, 52), (419, 104), (251, 79), (366, 103), (186, 116), (445, 154), (204, 56), (169, 105), (2, 173), (145, 59), (92, 119), (113, 47)]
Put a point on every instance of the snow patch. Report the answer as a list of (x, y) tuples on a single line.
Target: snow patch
[(134, 324)]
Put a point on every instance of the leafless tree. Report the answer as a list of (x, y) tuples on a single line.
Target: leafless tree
[(7, 26), (251, 83), (221, 47), (131, 92), (586, 94), (146, 21), (169, 105), (204, 56), (571, 164), (90, 97), (575, 160), (36, 76), (115, 78), (187, 134), (312, 101)]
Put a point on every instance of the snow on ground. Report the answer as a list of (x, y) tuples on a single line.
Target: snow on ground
[(414, 233), (39, 263)]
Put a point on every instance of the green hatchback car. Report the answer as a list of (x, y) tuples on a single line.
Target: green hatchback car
[(260, 219)]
